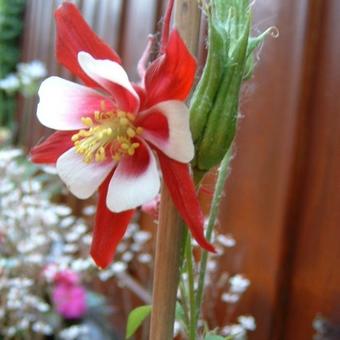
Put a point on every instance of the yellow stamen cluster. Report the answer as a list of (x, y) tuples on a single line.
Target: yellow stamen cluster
[(107, 134)]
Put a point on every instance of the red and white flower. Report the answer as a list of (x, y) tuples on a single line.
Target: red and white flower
[(110, 128)]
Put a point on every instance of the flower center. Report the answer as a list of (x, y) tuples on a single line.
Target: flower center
[(109, 134)]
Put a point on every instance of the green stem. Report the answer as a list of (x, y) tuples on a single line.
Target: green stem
[(220, 182), (190, 271), (184, 299)]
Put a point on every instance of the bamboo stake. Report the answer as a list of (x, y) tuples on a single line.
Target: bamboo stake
[(187, 21), (166, 270), (170, 229)]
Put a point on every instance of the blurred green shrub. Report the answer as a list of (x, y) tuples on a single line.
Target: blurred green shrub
[(11, 25)]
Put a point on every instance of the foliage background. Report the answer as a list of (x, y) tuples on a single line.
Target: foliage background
[(11, 26)]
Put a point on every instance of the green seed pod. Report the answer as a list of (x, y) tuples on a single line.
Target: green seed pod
[(203, 98), (221, 125), (214, 104)]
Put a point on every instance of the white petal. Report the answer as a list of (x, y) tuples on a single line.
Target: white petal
[(81, 178), (132, 186), (178, 145), (62, 103), (109, 74)]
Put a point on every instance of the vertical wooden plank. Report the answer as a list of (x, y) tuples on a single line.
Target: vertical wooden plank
[(112, 22), (102, 16), (141, 17), (313, 12), (315, 279), (89, 10), (35, 49), (51, 64), (43, 35), (258, 190)]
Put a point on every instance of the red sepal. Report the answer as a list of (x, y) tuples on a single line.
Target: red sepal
[(75, 35), (109, 229), (171, 75), (182, 189), (52, 148), (166, 25)]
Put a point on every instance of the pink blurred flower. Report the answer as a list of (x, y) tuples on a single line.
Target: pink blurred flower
[(69, 296), (67, 277)]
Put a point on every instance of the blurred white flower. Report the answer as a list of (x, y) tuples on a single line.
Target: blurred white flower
[(67, 222), (89, 210), (237, 332), (105, 275), (42, 327), (39, 238), (127, 256), (80, 228), (144, 258), (121, 247), (63, 210), (50, 271), (118, 267), (238, 284), (32, 70), (87, 239), (11, 331), (10, 154), (70, 248), (136, 247), (79, 265), (11, 83), (71, 237), (74, 332), (132, 228), (142, 236), (230, 298), (247, 321), (23, 324), (177, 328), (226, 240), (212, 265)]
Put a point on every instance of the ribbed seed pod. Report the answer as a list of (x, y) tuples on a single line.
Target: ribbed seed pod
[(214, 104)]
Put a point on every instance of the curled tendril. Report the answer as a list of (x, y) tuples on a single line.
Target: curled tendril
[(274, 32)]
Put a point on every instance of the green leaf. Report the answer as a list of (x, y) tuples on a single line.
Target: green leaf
[(136, 318)]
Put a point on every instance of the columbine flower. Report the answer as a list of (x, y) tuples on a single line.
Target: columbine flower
[(110, 129)]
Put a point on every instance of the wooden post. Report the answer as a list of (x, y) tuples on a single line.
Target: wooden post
[(170, 228)]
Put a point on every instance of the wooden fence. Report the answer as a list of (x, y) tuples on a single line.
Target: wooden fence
[(282, 198)]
